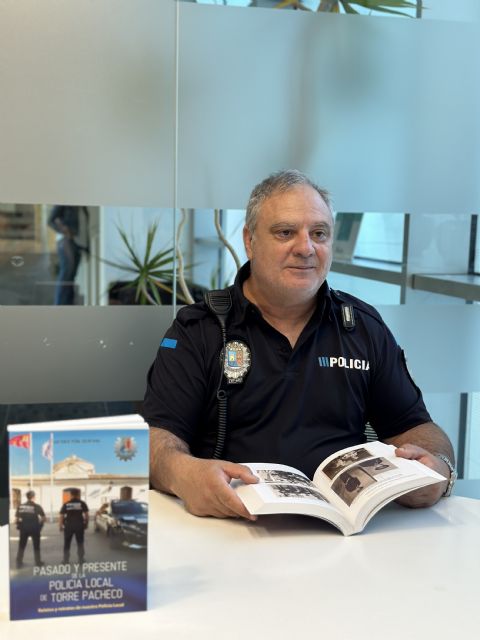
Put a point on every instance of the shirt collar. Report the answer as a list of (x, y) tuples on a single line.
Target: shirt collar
[(242, 305)]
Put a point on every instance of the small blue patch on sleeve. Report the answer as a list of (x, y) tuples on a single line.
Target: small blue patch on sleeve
[(168, 343)]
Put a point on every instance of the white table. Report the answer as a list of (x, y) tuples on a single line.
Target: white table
[(410, 574)]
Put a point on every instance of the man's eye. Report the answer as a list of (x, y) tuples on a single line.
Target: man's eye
[(284, 233), (320, 235)]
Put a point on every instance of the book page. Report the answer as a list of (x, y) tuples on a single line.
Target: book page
[(363, 478), (283, 489)]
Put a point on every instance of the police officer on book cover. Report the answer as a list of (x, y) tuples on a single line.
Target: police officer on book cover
[(29, 519), (73, 522)]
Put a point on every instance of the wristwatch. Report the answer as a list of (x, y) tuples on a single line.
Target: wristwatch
[(453, 474)]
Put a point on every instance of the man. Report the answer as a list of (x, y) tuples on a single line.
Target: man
[(73, 522), (317, 366), (71, 225), (29, 519)]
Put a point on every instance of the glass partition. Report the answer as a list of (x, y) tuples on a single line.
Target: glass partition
[(364, 111), (151, 122), (77, 255), (87, 110)]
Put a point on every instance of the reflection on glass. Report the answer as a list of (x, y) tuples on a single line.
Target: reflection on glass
[(145, 250), (476, 227), (472, 457), (218, 249), (71, 226), (381, 237), (43, 251), (338, 6), (347, 228), (137, 256), (371, 291), (23, 251), (433, 10), (78, 255)]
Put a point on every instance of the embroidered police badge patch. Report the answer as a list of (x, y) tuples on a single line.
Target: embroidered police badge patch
[(236, 361)]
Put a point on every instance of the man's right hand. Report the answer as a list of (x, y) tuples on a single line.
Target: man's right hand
[(204, 486)]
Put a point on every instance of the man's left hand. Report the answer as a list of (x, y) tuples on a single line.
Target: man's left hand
[(426, 496)]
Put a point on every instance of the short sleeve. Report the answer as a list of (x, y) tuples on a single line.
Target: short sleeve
[(395, 403), (177, 382)]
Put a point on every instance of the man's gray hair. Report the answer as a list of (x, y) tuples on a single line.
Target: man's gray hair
[(279, 182)]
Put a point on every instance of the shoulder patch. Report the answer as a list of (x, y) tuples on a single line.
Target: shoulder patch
[(168, 343)]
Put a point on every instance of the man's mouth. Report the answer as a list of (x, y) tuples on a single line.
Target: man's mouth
[(302, 267)]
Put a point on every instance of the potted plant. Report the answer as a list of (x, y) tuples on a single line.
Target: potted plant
[(151, 276), (348, 6)]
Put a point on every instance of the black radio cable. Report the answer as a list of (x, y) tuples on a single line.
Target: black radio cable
[(220, 303)]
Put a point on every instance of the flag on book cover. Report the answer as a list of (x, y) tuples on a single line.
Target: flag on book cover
[(22, 440), (47, 449)]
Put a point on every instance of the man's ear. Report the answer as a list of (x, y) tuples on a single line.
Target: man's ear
[(247, 241)]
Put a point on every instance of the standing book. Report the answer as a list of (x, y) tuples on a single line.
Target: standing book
[(347, 490), (78, 519)]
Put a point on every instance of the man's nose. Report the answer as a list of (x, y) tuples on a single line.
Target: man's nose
[(304, 245)]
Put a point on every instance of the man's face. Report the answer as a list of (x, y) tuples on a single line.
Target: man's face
[(291, 248)]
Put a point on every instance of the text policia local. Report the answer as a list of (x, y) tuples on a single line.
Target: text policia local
[(78, 584)]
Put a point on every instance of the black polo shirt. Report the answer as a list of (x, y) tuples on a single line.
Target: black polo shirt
[(295, 406), (72, 512), (29, 516)]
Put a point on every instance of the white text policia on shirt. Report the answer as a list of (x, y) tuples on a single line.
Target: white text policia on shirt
[(344, 363)]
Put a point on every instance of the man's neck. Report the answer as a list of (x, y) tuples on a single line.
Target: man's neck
[(289, 317)]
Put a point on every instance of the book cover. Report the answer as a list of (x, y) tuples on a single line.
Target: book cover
[(78, 517)]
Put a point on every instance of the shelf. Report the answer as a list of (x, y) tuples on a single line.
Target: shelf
[(388, 272), (463, 286)]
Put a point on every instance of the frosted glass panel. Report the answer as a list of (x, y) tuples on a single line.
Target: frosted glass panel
[(77, 354), (72, 354), (441, 344), (381, 111), (87, 102)]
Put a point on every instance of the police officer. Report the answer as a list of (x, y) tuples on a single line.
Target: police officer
[(304, 368), (29, 519), (73, 522)]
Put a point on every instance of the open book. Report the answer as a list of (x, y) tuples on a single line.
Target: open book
[(348, 488)]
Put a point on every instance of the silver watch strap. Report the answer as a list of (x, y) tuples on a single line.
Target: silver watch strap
[(453, 474)]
